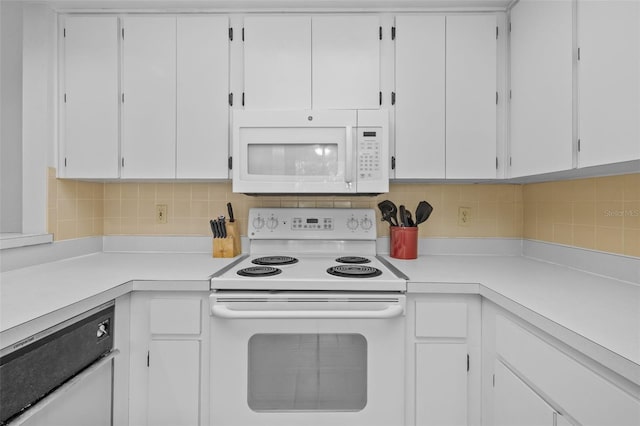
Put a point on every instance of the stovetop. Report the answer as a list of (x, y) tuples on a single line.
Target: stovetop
[(310, 250)]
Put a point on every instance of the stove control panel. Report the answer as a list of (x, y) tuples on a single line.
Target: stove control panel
[(312, 223)]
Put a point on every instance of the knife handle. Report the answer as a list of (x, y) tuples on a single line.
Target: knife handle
[(230, 211)]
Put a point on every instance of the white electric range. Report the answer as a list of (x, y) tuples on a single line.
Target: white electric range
[(309, 327)]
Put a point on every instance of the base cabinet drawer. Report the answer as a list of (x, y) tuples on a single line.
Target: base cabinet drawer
[(567, 384)]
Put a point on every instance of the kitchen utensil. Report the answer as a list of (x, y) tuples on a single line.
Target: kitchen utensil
[(389, 212), (410, 221), (213, 228), (403, 215), (223, 227), (230, 211), (423, 211)]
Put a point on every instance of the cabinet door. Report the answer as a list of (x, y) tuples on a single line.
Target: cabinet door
[(541, 87), (346, 62), (608, 81), (149, 91), (91, 97), (174, 383), (471, 96), (515, 404), (277, 62), (202, 97), (420, 97), (441, 384)]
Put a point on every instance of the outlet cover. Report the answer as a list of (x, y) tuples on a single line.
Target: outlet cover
[(464, 216), (161, 213)]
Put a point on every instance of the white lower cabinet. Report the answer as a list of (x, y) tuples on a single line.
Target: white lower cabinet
[(533, 379), (169, 359), (443, 360)]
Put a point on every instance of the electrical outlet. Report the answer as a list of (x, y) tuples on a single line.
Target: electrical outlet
[(161, 213), (464, 216)]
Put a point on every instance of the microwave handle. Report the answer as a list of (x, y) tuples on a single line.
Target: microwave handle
[(349, 156), (223, 311)]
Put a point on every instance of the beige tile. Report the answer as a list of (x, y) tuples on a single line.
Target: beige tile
[(325, 204), (632, 187), (85, 190), (112, 226), (129, 226), (164, 191), (584, 236), (129, 191), (632, 215), (609, 239), (200, 192), (303, 203), (562, 212), (52, 221), (66, 230), (632, 242), (544, 231), (98, 208), (182, 209), (52, 193), (218, 192), (147, 191), (98, 191), (182, 191), (112, 209), (67, 189), (146, 208), (610, 213), (561, 191), (451, 193), (85, 210), (544, 212), (51, 172), (85, 228), (146, 226), (610, 188), (584, 213), (294, 204), (486, 210), (217, 208), (67, 210), (98, 226), (129, 208), (112, 191), (200, 209), (563, 233)]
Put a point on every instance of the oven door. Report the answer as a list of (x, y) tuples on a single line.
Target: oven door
[(294, 151), (307, 359)]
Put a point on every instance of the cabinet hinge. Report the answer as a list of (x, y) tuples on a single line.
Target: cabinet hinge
[(496, 163), (230, 34), (380, 33), (393, 98), (496, 33), (393, 163), (380, 98), (230, 99), (230, 163), (578, 145), (148, 357), (123, 33), (242, 33), (242, 98), (468, 363), (393, 33)]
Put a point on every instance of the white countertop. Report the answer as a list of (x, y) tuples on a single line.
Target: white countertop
[(600, 315)]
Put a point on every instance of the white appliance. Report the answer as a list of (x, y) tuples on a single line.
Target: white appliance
[(331, 152), (293, 344)]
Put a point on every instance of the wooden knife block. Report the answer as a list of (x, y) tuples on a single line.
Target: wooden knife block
[(230, 246)]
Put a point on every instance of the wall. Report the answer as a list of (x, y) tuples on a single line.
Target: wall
[(11, 116), (596, 213)]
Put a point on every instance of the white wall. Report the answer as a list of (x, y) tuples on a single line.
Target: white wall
[(10, 116), (38, 112)]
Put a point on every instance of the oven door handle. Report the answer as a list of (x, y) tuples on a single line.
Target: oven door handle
[(391, 311)]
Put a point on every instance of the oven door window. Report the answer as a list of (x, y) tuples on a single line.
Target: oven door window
[(307, 372)]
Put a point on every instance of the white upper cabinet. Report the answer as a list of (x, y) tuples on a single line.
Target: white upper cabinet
[(319, 62), (420, 97), (202, 97), (149, 90), (541, 87), (608, 81), (277, 62), (471, 91), (346, 62), (90, 83)]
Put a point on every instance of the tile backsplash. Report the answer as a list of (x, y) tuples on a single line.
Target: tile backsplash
[(598, 213)]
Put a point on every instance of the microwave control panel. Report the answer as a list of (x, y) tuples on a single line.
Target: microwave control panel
[(369, 154)]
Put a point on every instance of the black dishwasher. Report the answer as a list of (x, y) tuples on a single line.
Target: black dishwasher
[(34, 367)]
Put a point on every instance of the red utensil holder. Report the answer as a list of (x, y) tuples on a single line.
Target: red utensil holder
[(404, 242)]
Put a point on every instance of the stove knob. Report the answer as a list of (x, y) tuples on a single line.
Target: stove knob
[(272, 223), (258, 222), (366, 223), (352, 224)]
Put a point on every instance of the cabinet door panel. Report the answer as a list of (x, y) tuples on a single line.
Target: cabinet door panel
[(346, 62), (471, 96), (441, 384), (609, 81), (91, 93), (515, 404), (202, 97), (420, 85), (174, 383), (541, 85), (277, 62), (149, 110)]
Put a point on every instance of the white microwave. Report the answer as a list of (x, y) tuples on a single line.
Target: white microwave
[(311, 152)]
